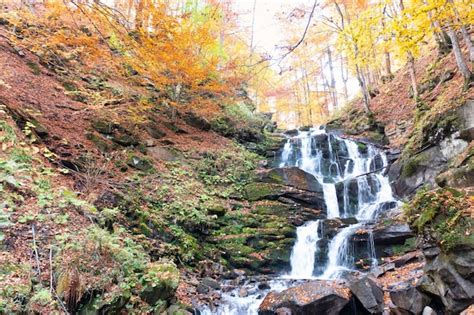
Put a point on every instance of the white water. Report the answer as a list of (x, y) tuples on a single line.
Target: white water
[(335, 162), (302, 255), (330, 199)]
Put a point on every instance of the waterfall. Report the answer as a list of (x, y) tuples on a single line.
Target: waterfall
[(351, 174), (339, 255), (302, 255), (334, 160)]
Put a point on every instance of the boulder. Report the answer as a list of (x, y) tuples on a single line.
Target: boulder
[(163, 154), (139, 163), (293, 177), (450, 276), (395, 233), (369, 294), (407, 299), (316, 297), (417, 171), (196, 121)]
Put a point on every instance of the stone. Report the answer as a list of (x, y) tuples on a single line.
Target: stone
[(163, 154), (196, 121), (160, 282), (369, 294), (149, 143), (428, 311), (450, 276), (139, 163), (316, 297), (211, 283), (103, 126), (404, 259), (154, 131), (395, 233), (408, 299), (293, 177), (124, 139), (243, 292), (263, 286)]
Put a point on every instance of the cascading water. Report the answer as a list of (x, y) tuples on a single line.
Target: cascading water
[(340, 162), (302, 255), (352, 180)]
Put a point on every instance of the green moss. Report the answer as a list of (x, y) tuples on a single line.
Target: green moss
[(258, 191), (407, 246), (440, 213), (34, 67), (412, 165)]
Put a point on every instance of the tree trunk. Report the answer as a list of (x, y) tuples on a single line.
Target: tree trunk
[(463, 68), (470, 46), (365, 90), (412, 71), (333, 80), (344, 77)]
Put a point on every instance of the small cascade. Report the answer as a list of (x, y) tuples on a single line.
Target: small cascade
[(302, 255), (340, 257), (353, 184), (364, 191), (330, 199)]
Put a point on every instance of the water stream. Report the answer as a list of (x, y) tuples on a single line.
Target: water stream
[(354, 186)]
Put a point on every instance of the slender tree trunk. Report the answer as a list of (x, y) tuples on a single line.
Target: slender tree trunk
[(412, 71), (344, 77), (365, 90), (333, 80), (462, 65), (465, 34), (469, 44)]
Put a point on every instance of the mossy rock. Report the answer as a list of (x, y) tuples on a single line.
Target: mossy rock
[(103, 126), (259, 191), (140, 163), (102, 144), (273, 208), (215, 208), (159, 282), (125, 139), (413, 164)]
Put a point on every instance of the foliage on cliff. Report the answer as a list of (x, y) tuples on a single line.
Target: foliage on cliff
[(444, 215)]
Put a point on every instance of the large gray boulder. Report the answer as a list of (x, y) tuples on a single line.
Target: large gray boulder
[(407, 300), (316, 297), (369, 294), (450, 276)]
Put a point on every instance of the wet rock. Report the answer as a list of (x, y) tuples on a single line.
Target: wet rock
[(243, 292), (408, 300), (369, 294), (382, 269), (395, 233), (292, 132), (211, 283), (263, 286), (317, 297), (428, 311)]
